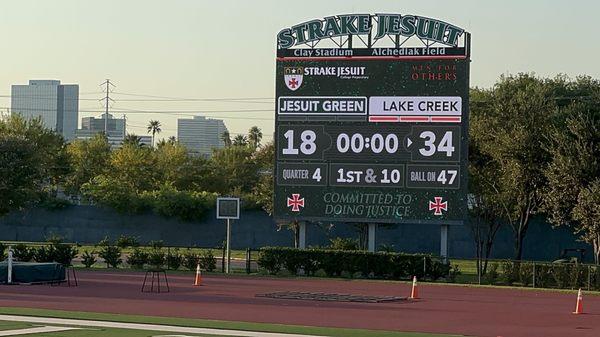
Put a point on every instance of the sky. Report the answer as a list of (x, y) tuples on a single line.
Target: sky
[(208, 50)]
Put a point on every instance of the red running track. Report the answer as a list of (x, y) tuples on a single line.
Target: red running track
[(443, 309)]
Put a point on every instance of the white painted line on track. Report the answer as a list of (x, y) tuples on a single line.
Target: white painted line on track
[(149, 327), (31, 331)]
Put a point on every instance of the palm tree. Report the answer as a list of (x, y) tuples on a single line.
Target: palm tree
[(132, 139), (226, 138), (161, 143), (254, 136), (154, 128), (240, 140), (172, 140)]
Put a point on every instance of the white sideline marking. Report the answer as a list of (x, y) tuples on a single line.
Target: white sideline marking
[(150, 327), (30, 331)]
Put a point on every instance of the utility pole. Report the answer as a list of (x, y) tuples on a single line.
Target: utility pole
[(106, 103), (124, 125)]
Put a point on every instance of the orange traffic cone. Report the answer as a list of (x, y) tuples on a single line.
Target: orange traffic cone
[(198, 281), (414, 293), (579, 305)]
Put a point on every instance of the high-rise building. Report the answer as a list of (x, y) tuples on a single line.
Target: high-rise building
[(115, 129), (57, 105), (146, 140), (200, 135)]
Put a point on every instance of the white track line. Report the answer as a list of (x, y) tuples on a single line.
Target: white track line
[(149, 327), (30, 331)]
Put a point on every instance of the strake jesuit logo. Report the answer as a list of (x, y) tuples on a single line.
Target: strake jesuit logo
[(437, 206), (295, 202), (293, 77)]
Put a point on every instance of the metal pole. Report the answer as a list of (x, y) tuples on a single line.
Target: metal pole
[(302, 235), (106, 113), (534, 274), (9, 266), (248, 260), (223, 257), (479, 268), (589, 277), (228, 252), (444, 243), (371, 236)]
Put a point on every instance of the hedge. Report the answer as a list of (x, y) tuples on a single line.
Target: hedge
[(54, 251), (341, 262)]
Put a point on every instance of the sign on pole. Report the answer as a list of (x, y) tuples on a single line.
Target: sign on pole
[(371, 120), (228, 208)]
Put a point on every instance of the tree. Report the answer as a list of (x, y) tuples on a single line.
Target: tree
[(195, 175), (21, 174), (134, 166), (575, 166), (587, 215), (116, 193), (485, 209), (169, 141), (240, 140), (161, 143), (132, 139), (226, 138), (88, 159), (511, 128), (233, 169), (263, 190), (131, 172), (171, 160), (254, 137), (50, 148), (154, 128)]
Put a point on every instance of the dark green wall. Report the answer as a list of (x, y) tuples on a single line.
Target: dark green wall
[(90, 224)]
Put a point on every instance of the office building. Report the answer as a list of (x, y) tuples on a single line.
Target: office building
[(115, 129), (200, 135), (57, 105), (146, 140)]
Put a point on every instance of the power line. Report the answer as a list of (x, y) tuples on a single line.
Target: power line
[(46, 98), (197, 110), (191, 113), (235, 99), (155, 98)]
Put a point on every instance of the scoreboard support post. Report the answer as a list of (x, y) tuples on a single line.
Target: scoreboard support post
[(302, 235), (444, 242), (371, 236)]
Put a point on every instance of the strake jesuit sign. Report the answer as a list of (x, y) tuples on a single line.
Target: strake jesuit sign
[(362, 24), (371, 120)]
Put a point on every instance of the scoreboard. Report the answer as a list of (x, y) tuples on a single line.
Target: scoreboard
[(374, 135)]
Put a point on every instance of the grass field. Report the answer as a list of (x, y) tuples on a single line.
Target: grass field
[(13, 325), (239, 328)]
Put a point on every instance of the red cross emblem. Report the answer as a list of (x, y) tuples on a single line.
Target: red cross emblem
[(293, 83), (437, 205), (295, 202)]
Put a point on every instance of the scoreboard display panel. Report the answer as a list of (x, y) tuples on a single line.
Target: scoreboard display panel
[(371, 134)]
